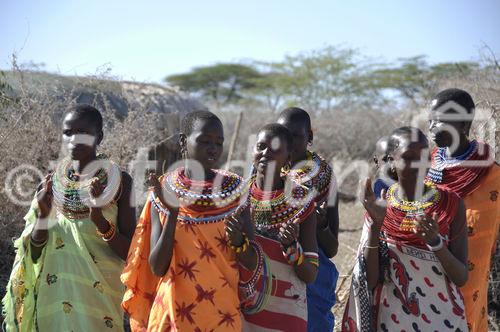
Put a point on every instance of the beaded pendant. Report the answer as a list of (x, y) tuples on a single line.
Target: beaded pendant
[(412, 209)]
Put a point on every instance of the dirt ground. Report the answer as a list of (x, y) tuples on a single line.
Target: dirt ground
[(351, 222)]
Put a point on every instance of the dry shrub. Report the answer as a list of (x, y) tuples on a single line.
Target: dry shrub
[(135, 115)]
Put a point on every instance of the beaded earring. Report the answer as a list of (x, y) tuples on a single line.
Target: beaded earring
[(285, 169)]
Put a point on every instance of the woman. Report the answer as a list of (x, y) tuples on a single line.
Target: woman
[(469, 171), (311, 170), (78, 229), (286, 229), (182, 270), (412, 256)]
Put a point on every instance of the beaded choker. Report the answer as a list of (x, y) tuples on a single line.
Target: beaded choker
[(412, 209), (316, 173), (201, 197), (71, 191), (441, 161), (271, 209), (203, 193)]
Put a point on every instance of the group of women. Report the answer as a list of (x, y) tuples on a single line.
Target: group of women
[(214, 251)]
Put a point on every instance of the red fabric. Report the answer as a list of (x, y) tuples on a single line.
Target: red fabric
[(463, 179), (446, 208)]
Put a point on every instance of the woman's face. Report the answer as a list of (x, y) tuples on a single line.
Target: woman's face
[(205, 142), (80, 137), (410, 158), (444, 127), (270, 153), (301, 137)]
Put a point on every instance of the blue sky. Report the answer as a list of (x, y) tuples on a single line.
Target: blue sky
[(147, 40)]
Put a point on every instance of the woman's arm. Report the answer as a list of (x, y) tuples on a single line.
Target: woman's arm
[(235, 228), (162, 242), (376, 209), (120, 242), (307, 238), (454, 257), (40, 234), (328, 228), (371, 254)]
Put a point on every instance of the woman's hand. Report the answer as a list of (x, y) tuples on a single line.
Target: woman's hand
[(289, 233), (44, 196), (427, 228), (234, 230), (376, 208), (95, 190), (321, 220), (167, 198)]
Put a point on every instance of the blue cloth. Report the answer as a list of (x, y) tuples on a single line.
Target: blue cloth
[(321, 296), (378, 186)]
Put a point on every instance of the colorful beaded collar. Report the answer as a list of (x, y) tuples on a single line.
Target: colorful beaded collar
[(271, 209), (232, 193), (412, 209), (71, 191), (315, 173), (441, 161), (203, 193)]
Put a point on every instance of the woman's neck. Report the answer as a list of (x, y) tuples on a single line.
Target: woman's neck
[(462, 147), (206, 176), (265, 184), (413, 189), (79, 165), (408, 188), (300, 157)]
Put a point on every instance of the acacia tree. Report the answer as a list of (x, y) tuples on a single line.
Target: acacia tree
[(220, 84), (414, 78)]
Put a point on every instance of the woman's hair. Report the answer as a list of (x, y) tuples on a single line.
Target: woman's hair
[(412, 133), (461, 97), (296, 115), (189, 120), (279, 131), (87, 112)]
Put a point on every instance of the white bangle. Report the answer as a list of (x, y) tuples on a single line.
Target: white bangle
[(438, 246)]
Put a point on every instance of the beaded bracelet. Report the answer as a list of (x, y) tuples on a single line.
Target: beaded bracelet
[(294, 253), (113, 233), (243, 247), (254, 301), (248, 287), (312, 258), (108, 232), (438, 246)]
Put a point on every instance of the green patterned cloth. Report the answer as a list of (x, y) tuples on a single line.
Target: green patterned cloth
[(74, 285)]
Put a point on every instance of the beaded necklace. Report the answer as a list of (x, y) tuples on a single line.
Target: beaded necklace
[(204, 198), (272, 209), (203, 193), (412, 209), (316, 173), (71, 191), (441, 161)]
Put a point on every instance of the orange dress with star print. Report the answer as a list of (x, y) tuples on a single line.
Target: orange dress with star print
[(199, 292), (483, 221)]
